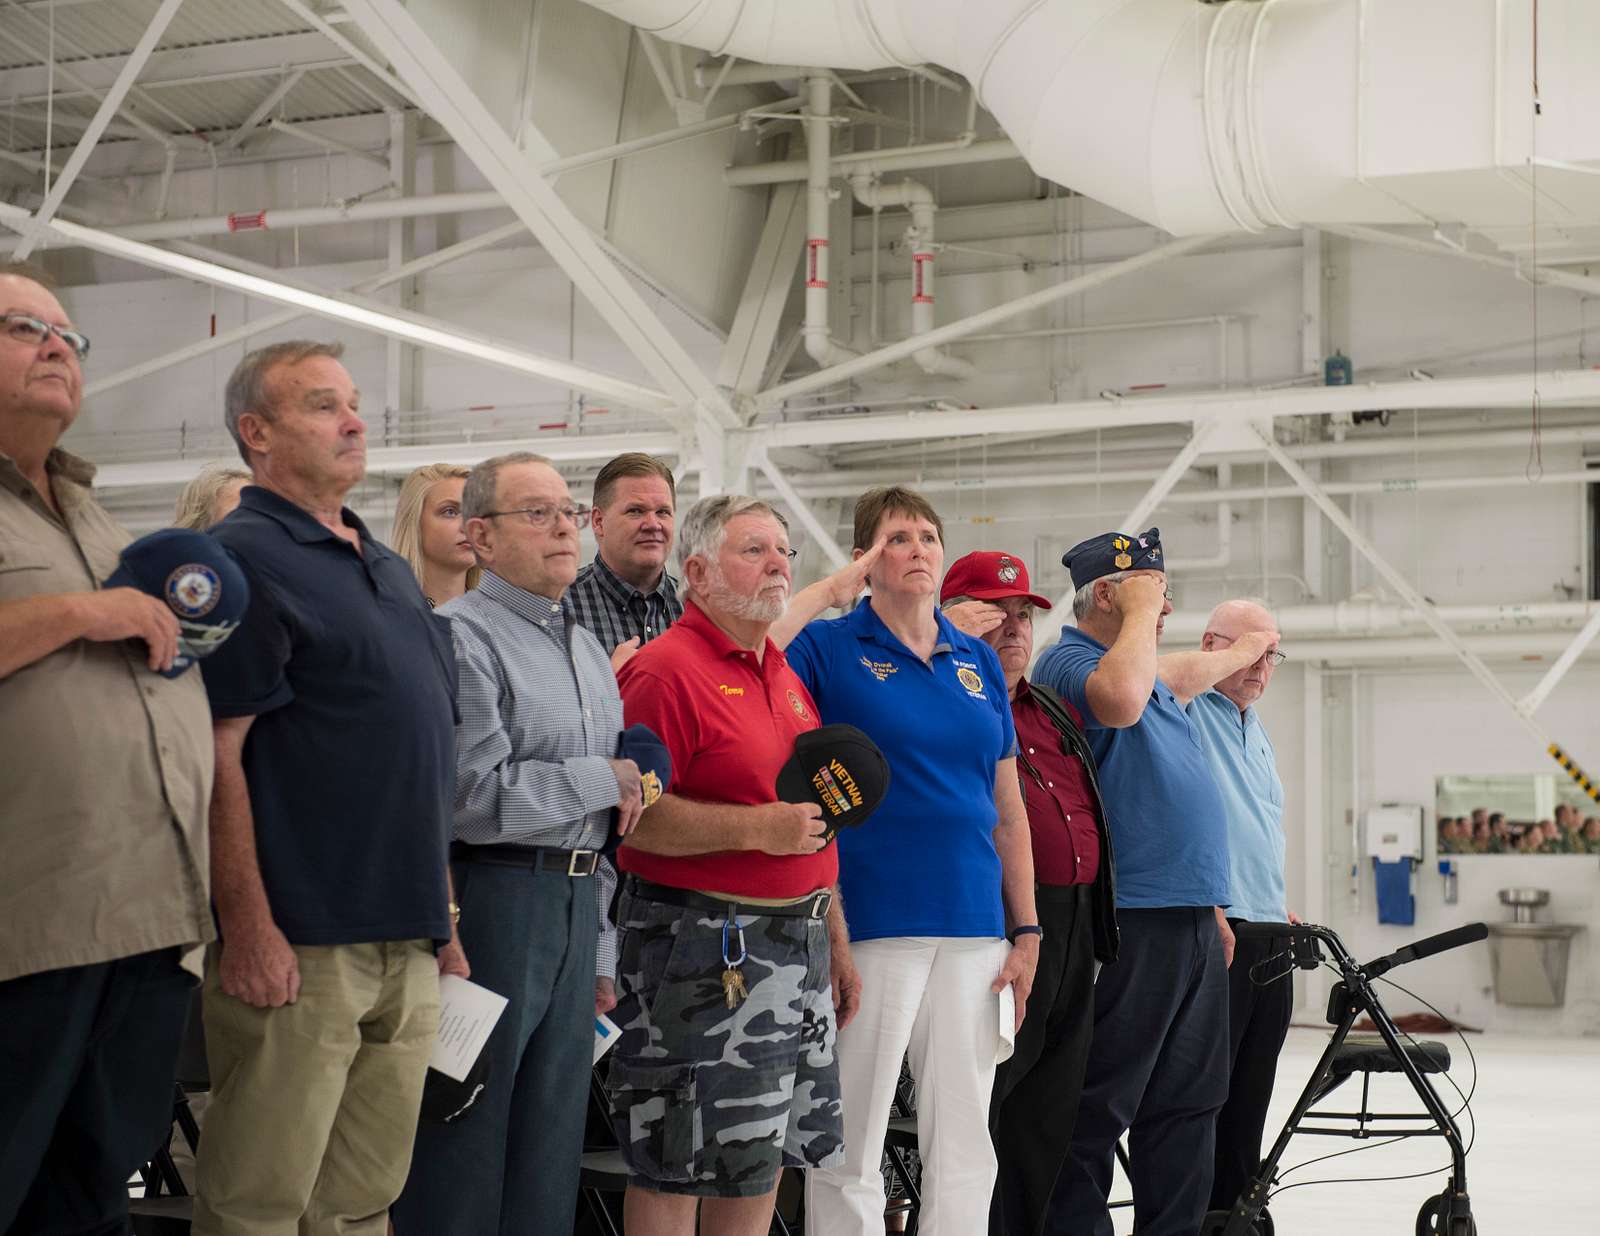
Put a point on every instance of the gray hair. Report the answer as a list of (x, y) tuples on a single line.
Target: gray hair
[(478, 494), (247, 385), (1083, 598), (706, 525)]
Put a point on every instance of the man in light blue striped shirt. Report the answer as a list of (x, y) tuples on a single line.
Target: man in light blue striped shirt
[(536, 783), (1219, 685)]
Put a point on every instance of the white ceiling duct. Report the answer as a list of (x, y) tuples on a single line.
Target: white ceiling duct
[(1207, 118)]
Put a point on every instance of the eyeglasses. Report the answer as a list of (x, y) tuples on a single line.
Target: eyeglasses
[(542, 517), (25, 328), (1275, 657)]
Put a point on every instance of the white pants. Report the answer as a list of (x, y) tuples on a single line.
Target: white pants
[(927, 997)]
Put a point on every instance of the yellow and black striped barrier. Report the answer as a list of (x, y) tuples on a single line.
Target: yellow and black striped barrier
[(1573, 771)]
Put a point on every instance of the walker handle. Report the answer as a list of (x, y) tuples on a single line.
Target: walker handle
[(1471, 933)]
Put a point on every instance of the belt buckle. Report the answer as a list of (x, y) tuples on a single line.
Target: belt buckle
[(820, 903), (576, 856)]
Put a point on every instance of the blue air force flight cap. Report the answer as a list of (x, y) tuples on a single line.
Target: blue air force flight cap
[(199, 579), (1111, 552)]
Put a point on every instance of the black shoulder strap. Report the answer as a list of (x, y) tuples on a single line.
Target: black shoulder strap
[(1057, 711)]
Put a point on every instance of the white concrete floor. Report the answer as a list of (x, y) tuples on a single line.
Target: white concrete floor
[(1534, 1167)]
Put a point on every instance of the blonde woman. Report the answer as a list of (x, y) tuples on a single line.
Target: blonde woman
[(207, 499), (428, 534)]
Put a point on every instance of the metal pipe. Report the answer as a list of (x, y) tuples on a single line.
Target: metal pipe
[(876, 162), (819, 341), (977, 321)]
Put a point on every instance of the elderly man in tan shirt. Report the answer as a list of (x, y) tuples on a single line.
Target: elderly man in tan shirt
[(105, 777)]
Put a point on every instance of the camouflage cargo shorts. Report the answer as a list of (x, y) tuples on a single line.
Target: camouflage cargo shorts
[(712, 1101)]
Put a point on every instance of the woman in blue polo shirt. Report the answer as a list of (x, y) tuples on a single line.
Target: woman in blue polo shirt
[(932, 882)]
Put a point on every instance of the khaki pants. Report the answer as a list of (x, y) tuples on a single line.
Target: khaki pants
[(314, 1105)]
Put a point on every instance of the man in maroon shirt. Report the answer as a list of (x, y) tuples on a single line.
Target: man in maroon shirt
[(733, 959), (1035, 1099)]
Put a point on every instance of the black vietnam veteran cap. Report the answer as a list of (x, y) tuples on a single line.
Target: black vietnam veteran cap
[(1111, 552), (841, 770), (199, 579)]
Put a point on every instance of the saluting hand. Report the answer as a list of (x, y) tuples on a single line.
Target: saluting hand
[(846, 584), (791, 828), (975, 618)]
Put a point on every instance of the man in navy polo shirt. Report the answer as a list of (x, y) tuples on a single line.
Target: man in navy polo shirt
[(335, 749), (1158, 1059)]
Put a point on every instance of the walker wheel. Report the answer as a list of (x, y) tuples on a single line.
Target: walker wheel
[(1217, 1220), (1435, 1219)]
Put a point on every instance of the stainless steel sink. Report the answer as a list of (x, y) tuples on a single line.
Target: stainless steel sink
[(1529, 958)]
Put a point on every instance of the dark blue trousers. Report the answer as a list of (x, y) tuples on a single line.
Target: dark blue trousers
[(1158, 1069), (87, 1059), (510, 1165)]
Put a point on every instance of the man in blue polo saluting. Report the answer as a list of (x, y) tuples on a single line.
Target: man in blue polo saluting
[(1158, 1059)]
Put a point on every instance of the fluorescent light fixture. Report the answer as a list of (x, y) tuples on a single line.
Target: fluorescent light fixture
[(411, 329)]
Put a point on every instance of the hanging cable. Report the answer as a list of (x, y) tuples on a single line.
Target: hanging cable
[(1534, 469)]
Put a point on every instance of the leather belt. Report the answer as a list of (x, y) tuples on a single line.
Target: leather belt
[(814, 906), (533, 857)]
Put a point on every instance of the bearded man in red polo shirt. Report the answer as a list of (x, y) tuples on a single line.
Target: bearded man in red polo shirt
[(733, 958), (1035, 1099)]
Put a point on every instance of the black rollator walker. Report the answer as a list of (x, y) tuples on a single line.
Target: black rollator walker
[(1448, 1213)]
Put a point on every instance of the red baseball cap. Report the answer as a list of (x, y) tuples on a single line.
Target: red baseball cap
[(989, 576)]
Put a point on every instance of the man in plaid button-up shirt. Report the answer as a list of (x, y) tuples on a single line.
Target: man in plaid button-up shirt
[(625, 596)]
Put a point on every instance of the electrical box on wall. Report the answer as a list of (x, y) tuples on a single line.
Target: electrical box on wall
[(1393, 832)]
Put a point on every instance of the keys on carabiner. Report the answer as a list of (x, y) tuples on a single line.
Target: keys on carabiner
[(733, 988)]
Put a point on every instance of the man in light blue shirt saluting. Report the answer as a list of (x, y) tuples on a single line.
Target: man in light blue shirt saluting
[(1218, 691)]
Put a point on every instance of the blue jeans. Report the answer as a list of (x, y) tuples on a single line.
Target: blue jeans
[(511, 1163)]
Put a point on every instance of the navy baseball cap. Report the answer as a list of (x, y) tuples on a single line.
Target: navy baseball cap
[(199, 579), (1111, 552), (644, 747), (841, 770)]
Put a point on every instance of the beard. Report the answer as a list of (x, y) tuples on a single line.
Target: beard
[(765, 606)]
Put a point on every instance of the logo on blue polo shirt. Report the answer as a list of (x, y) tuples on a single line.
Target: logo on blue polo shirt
[(967, 675), (880, 669)]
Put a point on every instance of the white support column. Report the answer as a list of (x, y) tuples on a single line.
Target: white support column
[(1046, 627), (766, 291), (976, 322), (1531, 701), (109, 106), (1423, 607), (262, 326), (802, 510), (399, 360), (1313, 907), (514, 173), (1311, 316)]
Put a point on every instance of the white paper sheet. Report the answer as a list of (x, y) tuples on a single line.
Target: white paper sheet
[(467, 1013), (606, 1033), (1008, 1025)]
